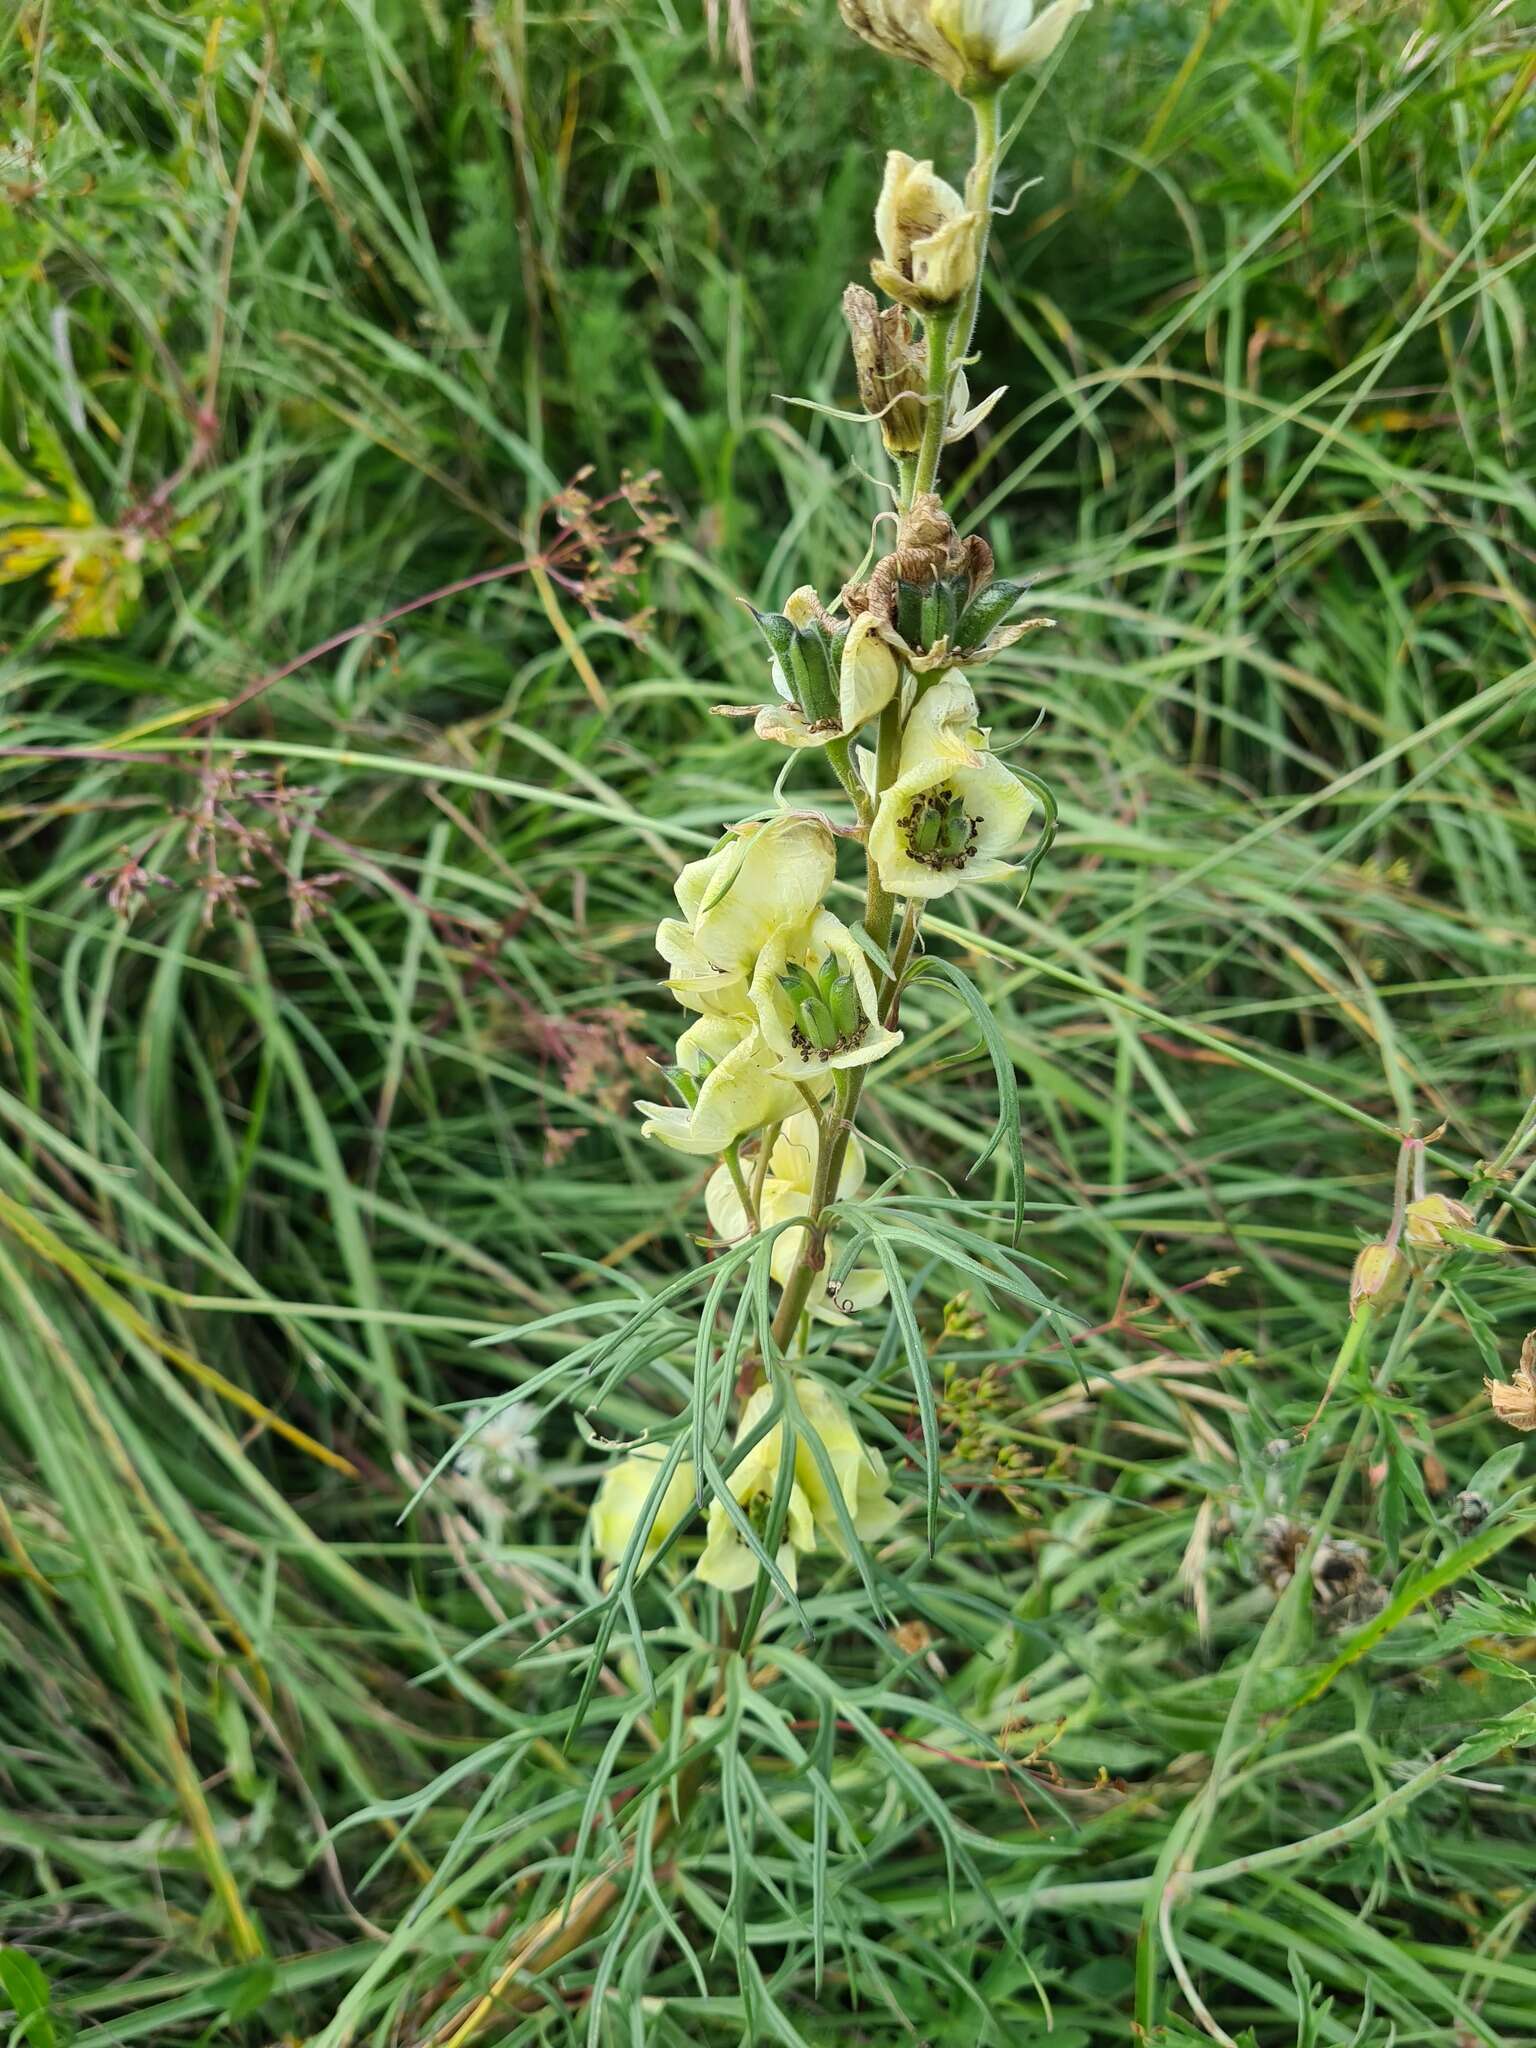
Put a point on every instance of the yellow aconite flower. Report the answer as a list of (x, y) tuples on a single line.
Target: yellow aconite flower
[(857, 1467), (739, 1089), (786, 1193), (622, 1497), (858, 1472), (727, 1561), (973, 45), (995, 38), (930, 241), (815, 1002), (763, 875), (954, 809), (866, 682)]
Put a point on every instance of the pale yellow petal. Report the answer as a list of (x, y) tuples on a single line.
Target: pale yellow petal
[(622, 1497), (867, 674)]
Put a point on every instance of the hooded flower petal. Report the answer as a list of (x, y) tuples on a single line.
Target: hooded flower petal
[(739, 1089), (954, 809), (622, 1497), (764, 874), (930, 240), (867, 674), (857, 1467), (786, 1194), (728, 1562), (995, 38), (905, 29), (797, 1028)]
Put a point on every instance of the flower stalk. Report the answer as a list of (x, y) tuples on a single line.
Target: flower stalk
[(794, 1011)]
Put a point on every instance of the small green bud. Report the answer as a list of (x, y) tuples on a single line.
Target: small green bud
[(909, 612), (987, 610), (776, 630), (816, 1023), (1377, 1279), (843, 1003)]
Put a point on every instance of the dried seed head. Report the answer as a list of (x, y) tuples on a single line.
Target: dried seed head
[(1339, 1571), (1281, 1542), (891, 365), (1516, 1403)]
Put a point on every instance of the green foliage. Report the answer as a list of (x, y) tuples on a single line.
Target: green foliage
[(335, 1128)]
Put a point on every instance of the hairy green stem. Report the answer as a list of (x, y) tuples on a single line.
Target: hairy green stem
[(979, 187), (939, 328)]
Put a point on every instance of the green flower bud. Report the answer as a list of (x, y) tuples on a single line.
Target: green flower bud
[(816, 1022), (987, 610), (1377, 1279), (843, 1002)]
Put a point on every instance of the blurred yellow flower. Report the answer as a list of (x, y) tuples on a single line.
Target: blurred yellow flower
[(858, 1474), (622, 1498), (975, 46), (728, 1561), (858, 1469), (995, 38)]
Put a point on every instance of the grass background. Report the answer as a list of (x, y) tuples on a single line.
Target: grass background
[(326, 303)]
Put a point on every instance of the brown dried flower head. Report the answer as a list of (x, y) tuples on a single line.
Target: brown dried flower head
[(1516, 1402), (890, 363)]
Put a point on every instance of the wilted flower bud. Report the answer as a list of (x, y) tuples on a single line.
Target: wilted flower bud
[(930, 241), (889, 362), (1377, 1278), (1424, 1225), (975, 46)]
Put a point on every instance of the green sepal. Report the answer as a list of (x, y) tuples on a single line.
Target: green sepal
[(815, 677), (987, 611)]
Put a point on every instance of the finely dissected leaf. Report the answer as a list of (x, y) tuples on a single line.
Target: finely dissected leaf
[(1007, 1131)]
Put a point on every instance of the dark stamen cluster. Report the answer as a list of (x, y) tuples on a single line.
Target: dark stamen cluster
[(828, 1019), (937, 829)]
